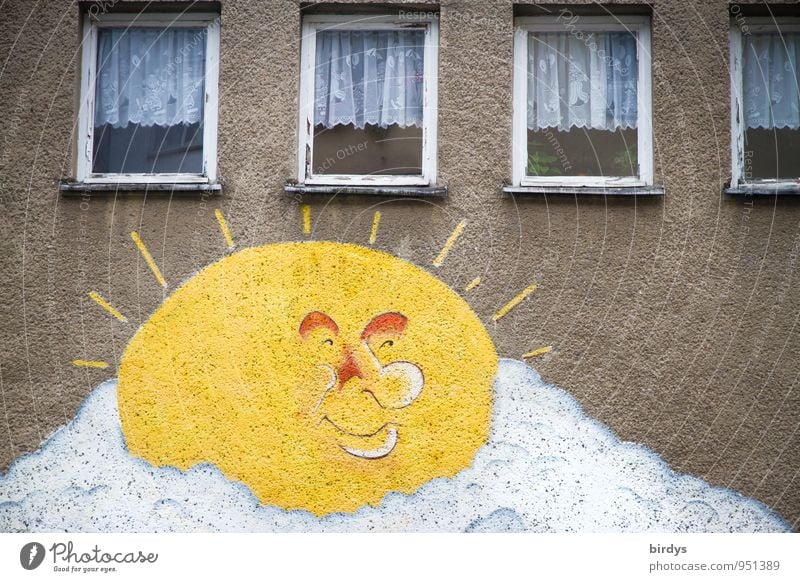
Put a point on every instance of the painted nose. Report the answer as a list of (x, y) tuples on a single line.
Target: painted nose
[(349, 368)]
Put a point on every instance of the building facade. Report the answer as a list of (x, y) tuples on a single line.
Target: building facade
[(668, 294)]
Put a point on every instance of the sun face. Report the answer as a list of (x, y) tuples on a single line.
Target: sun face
[(321, 375)]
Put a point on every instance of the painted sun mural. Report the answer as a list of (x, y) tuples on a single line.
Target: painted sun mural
[(321, 375), (325, 386)]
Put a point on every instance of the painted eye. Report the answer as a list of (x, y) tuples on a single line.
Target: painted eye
[(327, 342), (388, 343)]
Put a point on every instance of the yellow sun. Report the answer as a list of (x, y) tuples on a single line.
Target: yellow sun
[(321, 375)]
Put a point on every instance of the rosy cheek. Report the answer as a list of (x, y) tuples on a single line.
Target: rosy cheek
[(312, 382), (401, 384)]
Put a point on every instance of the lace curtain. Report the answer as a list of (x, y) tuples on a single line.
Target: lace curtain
[(369, 77), (582, 82), (150, 76), (770, 81)]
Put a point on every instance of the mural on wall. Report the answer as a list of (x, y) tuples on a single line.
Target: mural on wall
[(321, 375), (322, 386)]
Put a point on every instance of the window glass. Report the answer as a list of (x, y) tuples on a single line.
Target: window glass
[(771, 104), (582, 110), (148, 115), (368, 102)]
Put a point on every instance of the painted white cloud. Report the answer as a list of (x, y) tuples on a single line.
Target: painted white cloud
[(546, 467)]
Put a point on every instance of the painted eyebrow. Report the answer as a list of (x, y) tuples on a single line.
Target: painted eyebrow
[(316, 320), (385, 322)]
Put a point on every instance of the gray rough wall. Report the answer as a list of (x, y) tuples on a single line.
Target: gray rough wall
[(673, 320)]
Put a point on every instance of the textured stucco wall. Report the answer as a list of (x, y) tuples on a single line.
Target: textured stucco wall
[(672, 319)]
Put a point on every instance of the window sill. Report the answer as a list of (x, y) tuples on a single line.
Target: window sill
[(65, 186), (437, 191), (649, 191), (764, 189)]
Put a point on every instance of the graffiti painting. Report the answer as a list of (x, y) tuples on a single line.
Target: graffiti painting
[(321, 386)]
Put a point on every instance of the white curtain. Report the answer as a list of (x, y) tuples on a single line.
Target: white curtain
[(586, 80), (770, 81), (150, 76), (369, 78)]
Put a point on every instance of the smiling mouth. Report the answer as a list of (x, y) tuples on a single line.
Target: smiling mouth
[(359, 444)]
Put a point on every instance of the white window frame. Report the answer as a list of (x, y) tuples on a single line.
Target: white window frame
[(305, 152), (754, 25), (637, 24), (91, 24)]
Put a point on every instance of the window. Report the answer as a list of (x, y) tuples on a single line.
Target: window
[(765, 101), (368, 101), (149, 99), (582, 103)]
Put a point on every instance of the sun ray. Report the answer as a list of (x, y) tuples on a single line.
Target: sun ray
[(149, 259), (105, 305), (90, 364), (375, 222), (538, 352), (226, 232), (449, 244), (306, 218), (514, 302), (472, 284)]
